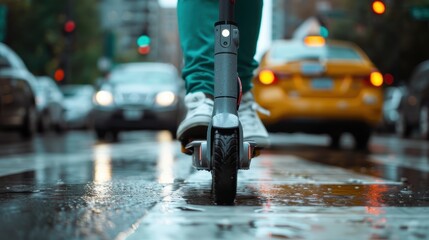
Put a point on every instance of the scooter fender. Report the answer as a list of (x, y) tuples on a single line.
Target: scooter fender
[(225, 121)]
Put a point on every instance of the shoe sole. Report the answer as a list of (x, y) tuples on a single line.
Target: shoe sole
[(198, 132)]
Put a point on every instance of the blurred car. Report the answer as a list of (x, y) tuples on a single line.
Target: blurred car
[(414, 107), (391, 103), (78, 104), (138, 96), (17, 94), (49, 101), (319, 86)]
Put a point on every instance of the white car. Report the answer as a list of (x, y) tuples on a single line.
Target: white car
[(138, 96), (78, 104), (50, 105), (17, 94)]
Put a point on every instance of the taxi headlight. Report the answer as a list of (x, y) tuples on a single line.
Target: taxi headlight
[(103, 98), (165, 98)]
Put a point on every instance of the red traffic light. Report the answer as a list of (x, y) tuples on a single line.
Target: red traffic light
[(59, 75), (144, 50), (378, 7), (69, 26)]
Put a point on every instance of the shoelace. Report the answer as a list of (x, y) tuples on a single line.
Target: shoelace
[(205, 105), (248, 112)]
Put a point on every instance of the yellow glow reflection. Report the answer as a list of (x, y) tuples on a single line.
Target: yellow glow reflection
[(165, 158), (102, 164)]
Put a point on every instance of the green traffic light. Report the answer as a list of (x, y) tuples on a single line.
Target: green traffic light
[(143, 41)]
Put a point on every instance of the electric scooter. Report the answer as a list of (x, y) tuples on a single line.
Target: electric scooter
[(224, 152)]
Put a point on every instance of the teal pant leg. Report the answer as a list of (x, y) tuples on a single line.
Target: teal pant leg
[(196, 20), (248, 15)]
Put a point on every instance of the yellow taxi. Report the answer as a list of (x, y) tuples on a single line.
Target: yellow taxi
[(320, 86)]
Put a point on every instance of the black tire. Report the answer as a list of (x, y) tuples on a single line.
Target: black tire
[(173, 134), (335, 140), (100, 134), (104, 135), (225, 166), (361, 138), (60, 126), (29, 125), (424, 121), (44, 123), (114, 136)]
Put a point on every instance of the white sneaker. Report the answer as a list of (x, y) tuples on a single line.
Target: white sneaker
[(198, 116), (253, 128)]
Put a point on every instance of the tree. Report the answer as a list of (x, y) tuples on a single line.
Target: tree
[(394, 41), (35, 32)]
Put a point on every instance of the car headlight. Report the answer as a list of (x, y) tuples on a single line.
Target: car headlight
[(103, 98), (165, 98)]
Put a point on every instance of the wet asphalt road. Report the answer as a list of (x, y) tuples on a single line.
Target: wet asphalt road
[(72, 187)]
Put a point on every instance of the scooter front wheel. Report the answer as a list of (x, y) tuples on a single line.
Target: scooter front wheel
[(225, 166)]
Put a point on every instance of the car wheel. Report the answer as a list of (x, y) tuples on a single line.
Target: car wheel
[(173, 132), (60, 127), (100, 134), (29, 125), (402, 128), (362, 137), (114, 136), (44, 123), (335, 140), (104, 135), (424, 121)]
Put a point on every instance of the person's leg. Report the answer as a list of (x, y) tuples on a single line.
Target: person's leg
[(196, 20), (196, 29), (248, 15)]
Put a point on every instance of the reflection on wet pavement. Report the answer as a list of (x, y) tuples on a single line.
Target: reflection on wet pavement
[(144, 188), (95, 190), (294, 194), (289, 181)]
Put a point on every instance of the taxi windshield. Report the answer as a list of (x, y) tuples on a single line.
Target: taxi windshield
[(294, 51)]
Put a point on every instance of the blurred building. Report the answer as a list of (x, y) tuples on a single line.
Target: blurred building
[(123, 21), (169, 37), (289, 14)]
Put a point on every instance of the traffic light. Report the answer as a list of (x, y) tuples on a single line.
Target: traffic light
[(59, 75), (378, 7), (69, 26), (143, 43)]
